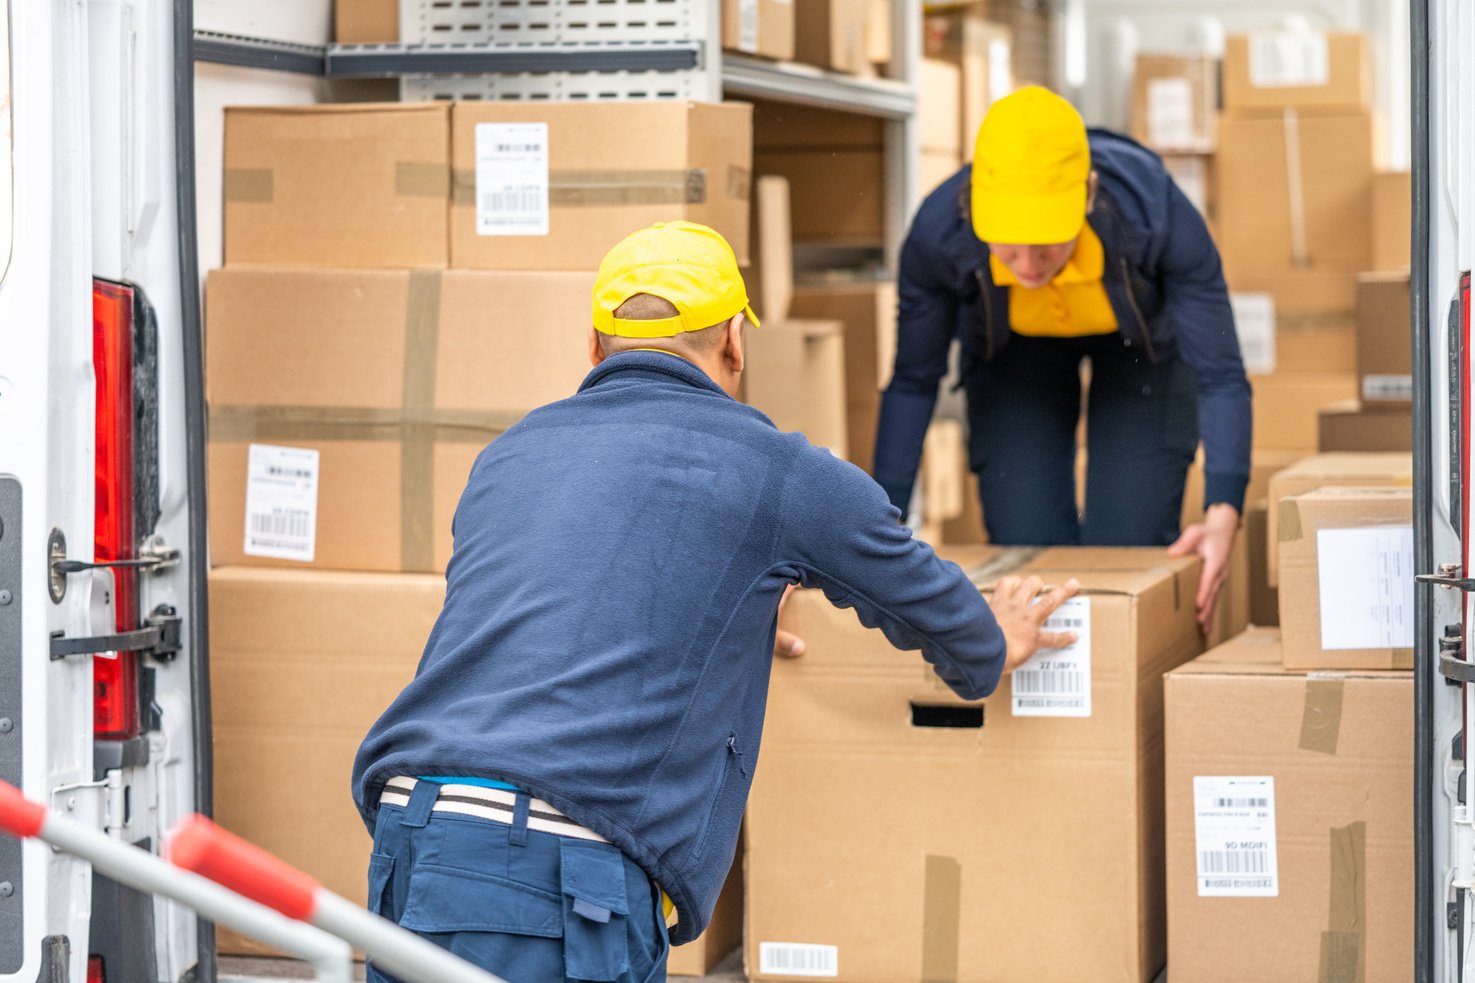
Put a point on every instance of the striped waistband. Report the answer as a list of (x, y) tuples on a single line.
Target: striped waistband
[(495, 804)]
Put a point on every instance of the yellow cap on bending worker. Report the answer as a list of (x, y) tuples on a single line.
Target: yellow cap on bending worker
[(685, 264), (1031, 165)]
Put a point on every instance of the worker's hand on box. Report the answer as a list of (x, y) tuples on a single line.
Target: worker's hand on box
[(1022, 618), (786, 643), (1213, 540)]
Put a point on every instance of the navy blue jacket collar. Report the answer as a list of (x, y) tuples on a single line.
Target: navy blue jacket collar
[(660, 363)]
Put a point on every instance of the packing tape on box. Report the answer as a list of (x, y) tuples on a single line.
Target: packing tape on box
[(942, 914), (412, 179), (1295, 187), (1321, 714), (573, 189), (1344, 943), (1289, 515)]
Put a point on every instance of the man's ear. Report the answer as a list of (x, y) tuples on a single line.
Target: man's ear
[(733, 350), (596, 352), (1091, 192)]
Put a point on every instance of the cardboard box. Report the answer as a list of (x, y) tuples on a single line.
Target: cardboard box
[(1304, 292), (838, 194), (1275, 70), (724, 931), (759, 27), (796, 375), (937, 166), (1194, 175), (1175, 101), (606, 170), (1295, 191), (1347, 578), (918, 890), (1286, 405), (781, 126), (1385, 339), (1350, 426), (1364, 470), (941, 474), (345, 368), (771, 280), (835, 34), (983, 52), (1335, 754), (366, 21), (1264, 608), (868, 313), (940, 107), (359, 185), (1392, 220)]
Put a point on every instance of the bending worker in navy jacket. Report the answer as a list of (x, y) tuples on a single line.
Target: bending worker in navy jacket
[(584, 724), (1053, 247)]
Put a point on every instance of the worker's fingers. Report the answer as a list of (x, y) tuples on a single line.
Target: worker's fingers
[(1005, 589), (1028, 588), (788, 645), (1050, 602), (1188, 541), (1057, 639)]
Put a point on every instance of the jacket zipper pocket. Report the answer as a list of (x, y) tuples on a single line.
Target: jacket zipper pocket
[(1137, 312)]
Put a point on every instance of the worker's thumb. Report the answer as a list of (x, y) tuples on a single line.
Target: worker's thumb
[(788, 645), (1188, 542)]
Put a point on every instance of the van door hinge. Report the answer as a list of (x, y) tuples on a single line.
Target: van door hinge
[(1452, 664), (1449, 578), (159, 637)]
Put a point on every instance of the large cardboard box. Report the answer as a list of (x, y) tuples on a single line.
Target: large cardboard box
[(1385, 339), (838, 194), (1275, 70), (1175, 101), (1331, 755), (796, 375), (1286, 405), (940, 107), (344, 185), (977, 856), (1347, 578), (759, 27), (1298, 293), (1295, 191), (983, 52), (347, 406), (366, 21), (835, 34), (1350, 426), (1341, 469), (553, 185), (1392, 218), (868, 312)]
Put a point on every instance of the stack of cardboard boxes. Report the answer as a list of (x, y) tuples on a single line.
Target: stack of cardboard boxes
[(967, 67), (402, 283)]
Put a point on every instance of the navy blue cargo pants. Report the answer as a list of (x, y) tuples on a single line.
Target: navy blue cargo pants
[(530, 906), (1024, 408)]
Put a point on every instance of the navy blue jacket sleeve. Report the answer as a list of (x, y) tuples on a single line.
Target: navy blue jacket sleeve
[(926, 319), (849, 543), (1197, 301)]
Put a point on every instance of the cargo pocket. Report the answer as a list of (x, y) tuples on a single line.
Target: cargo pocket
[(381, 869), (443, 900), (596, 943)]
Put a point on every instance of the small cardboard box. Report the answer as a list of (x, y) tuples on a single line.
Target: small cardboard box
[(836, 34), (796, 376), (917, 891), (983, 52), (1286, 405), (1269, 71), (360, 185), (1331, 755), (838, 194), (940, 107), (1350, 426), (1175, 101), (1302, 292), (1347, 578), (366, 21), (1295, 191), (1385, 339), (759, 27), (553, 185), (868, 312), (1341, 469), (1392, 207), (381, 385)]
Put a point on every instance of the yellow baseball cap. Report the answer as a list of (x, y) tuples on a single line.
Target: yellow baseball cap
[(1030, 169), (688, 265)]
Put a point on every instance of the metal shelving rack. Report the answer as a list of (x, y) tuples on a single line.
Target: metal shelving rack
[(618, 50)]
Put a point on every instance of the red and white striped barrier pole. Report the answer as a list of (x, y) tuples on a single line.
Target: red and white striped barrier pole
[(199, 845), (143, 871)]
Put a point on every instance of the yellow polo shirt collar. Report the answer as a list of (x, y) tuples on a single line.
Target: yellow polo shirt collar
[(1073, 305)]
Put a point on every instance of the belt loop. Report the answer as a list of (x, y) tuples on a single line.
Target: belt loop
[(422, 800), (520, 819)]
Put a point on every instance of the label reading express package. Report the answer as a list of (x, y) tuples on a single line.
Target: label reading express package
[(1234, 836)]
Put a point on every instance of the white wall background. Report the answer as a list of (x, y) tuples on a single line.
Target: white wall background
[(1101, 39)]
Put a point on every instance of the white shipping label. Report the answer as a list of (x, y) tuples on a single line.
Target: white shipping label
[(798, 959), (1379, 387), (1170, 114), (512, 179), (1254, 322), (748, 26), (1366, 578), (1000, 71), (282, 502), (1281, 59), (1190, 174), (1057, 682), (1234, 836)]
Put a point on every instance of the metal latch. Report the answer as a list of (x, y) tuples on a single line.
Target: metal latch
[(153, 557), (1452, 664), (1448, 577), (159, 637)]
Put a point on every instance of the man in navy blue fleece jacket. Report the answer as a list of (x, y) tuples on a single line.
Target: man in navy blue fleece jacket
[(583, 727), (1058, 246)]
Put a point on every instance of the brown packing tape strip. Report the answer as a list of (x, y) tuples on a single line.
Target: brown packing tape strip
[(309, 424), (942, 916), (1344, 943), (574, 189), (1005, 562), (417, 455), (1290, 521), (413, 179), (1321, 714), (1295, 186), (248, 185)]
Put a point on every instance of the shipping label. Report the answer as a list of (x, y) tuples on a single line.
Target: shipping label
[(1283, 59), (281, 502), (1385, 387), (1366, 581), (512, 179), (1254, 322), (798, 959), (748, 26), (1234, 836), (1057, 682), (1170, 114)]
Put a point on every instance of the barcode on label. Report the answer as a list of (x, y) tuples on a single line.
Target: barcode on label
[(512, 206), (1242, 803), (281, 528), (798, 959), (1058, 623), (1233, 862), (1049, 681)]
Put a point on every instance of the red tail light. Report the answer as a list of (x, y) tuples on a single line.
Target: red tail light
[(115, 680), (95, 972)]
